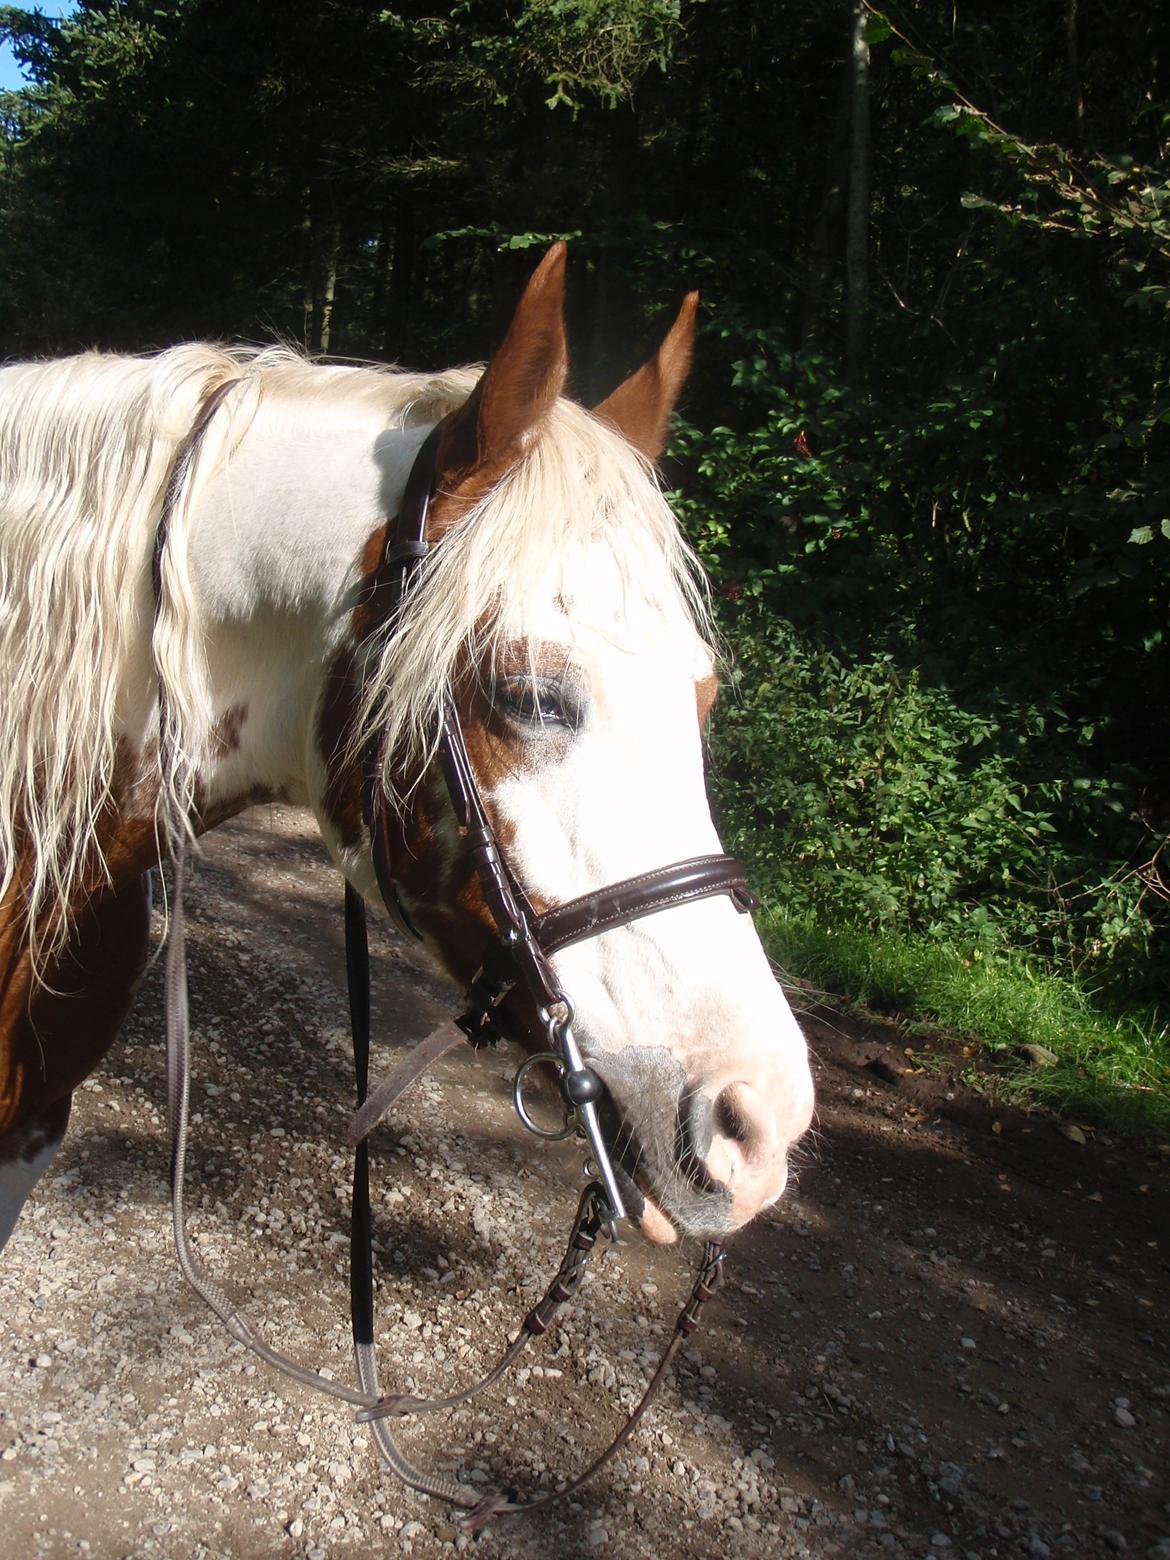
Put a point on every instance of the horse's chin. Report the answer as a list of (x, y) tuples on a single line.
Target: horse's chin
[(641, 1209), (655, 1226)]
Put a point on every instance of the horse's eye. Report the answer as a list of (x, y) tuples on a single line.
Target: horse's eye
[(535, 701)]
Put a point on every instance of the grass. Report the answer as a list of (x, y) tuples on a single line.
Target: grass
[(1112, 1069)]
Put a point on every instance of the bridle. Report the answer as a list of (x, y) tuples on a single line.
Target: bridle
[(526, 939), (520, 960)]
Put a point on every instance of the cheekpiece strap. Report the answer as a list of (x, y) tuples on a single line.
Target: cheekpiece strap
[(406, 537)]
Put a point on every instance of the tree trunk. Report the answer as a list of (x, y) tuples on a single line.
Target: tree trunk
[(857, 228), (1074, 71), (308, 271), (328, 285), (826, 233)]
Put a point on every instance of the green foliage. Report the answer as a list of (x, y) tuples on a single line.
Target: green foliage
[(597, 48), (579, 51), (1112, 1069), (906, 752), (874, 801)]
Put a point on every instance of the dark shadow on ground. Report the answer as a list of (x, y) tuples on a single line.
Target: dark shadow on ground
[(935, 1329)]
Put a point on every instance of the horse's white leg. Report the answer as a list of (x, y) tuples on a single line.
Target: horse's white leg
[(25, 1155)]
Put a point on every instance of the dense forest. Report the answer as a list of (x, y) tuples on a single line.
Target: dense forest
[(925, 452)]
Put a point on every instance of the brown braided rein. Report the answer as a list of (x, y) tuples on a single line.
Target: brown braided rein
[(582, 1240)]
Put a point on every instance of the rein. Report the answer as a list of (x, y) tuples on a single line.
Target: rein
[(521, 959)]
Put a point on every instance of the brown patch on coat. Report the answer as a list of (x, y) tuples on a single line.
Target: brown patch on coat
[(225, 736), (440, 888), (375, 592), (442, 891), (55, 1029), (34, 1137), (706, 692), (53, 1035)]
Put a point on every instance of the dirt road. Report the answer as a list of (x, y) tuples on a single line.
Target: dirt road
[(952, 1340)]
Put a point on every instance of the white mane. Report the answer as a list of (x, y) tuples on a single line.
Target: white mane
[(86, 448)]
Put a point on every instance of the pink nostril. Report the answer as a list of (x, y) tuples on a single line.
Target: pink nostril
[(743, 1136), (737, 1139), (735, 1136), (730, 1117)]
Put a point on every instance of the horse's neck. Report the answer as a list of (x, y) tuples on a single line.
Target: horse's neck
[(277, 546)]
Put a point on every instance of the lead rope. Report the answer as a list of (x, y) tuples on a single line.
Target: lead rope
[(373, 1408), (366, 1397), (178, 1109)]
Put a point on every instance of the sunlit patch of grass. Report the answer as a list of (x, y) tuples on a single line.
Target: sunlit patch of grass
[(1111, 1068)]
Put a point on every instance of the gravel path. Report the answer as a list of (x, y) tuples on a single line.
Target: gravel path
[(951, 1340)]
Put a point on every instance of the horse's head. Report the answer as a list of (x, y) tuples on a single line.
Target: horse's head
[(558, 610)]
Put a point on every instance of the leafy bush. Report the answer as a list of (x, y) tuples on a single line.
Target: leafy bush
[(873, 798)]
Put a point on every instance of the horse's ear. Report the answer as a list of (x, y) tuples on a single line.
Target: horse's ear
[(504, 413), (641, 407)]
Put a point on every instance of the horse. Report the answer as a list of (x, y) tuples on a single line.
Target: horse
[(160, 678)]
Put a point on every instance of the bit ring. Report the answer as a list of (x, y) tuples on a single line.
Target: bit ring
[(549, 1134)]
